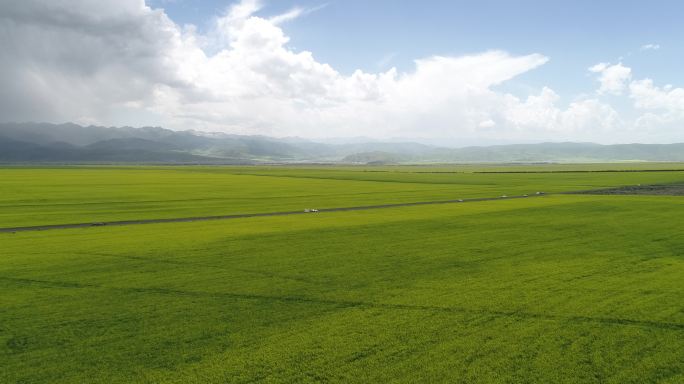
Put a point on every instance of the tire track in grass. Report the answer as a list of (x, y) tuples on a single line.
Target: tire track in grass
[(46, 283), (357, 304), (249, 215)]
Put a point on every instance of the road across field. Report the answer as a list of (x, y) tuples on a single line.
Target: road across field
[(247, 215)]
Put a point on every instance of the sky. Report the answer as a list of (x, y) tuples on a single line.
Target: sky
[(440, 72)]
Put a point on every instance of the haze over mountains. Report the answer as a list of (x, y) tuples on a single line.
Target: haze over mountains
[(72, 143)]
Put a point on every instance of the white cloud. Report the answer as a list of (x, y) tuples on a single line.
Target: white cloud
[(294, 13), (613, 78), (489, 123), (648, 96), (121, 61), (663, 107), (587, 118), (650, 47)]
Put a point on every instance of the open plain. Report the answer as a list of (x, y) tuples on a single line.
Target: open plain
[(550, 288)]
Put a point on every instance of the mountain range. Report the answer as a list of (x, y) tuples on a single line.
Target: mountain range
[(73, 143)]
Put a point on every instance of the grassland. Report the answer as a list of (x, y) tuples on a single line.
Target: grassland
[(556, 289), (42, 196)]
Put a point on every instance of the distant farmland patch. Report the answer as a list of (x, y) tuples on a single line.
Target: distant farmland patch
[(657, 189)]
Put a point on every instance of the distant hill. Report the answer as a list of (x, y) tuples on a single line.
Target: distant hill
[(376, 157), (72, 143), (570, 152)]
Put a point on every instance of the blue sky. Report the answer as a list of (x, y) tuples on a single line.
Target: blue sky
[(456, 72)]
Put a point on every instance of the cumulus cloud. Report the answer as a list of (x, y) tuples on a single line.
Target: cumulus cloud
[(111, 61), (648, 96), (538, 114), (650, 47), (613, 78), (662, 107)]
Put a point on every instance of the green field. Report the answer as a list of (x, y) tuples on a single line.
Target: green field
[(555, 289), (76, 195)]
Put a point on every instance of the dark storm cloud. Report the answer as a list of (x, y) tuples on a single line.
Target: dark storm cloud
[(63, 59)]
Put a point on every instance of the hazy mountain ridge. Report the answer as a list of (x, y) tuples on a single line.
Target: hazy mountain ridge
[(67, 143)]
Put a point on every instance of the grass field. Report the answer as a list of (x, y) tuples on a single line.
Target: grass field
[(75, 195), (552, 289)]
